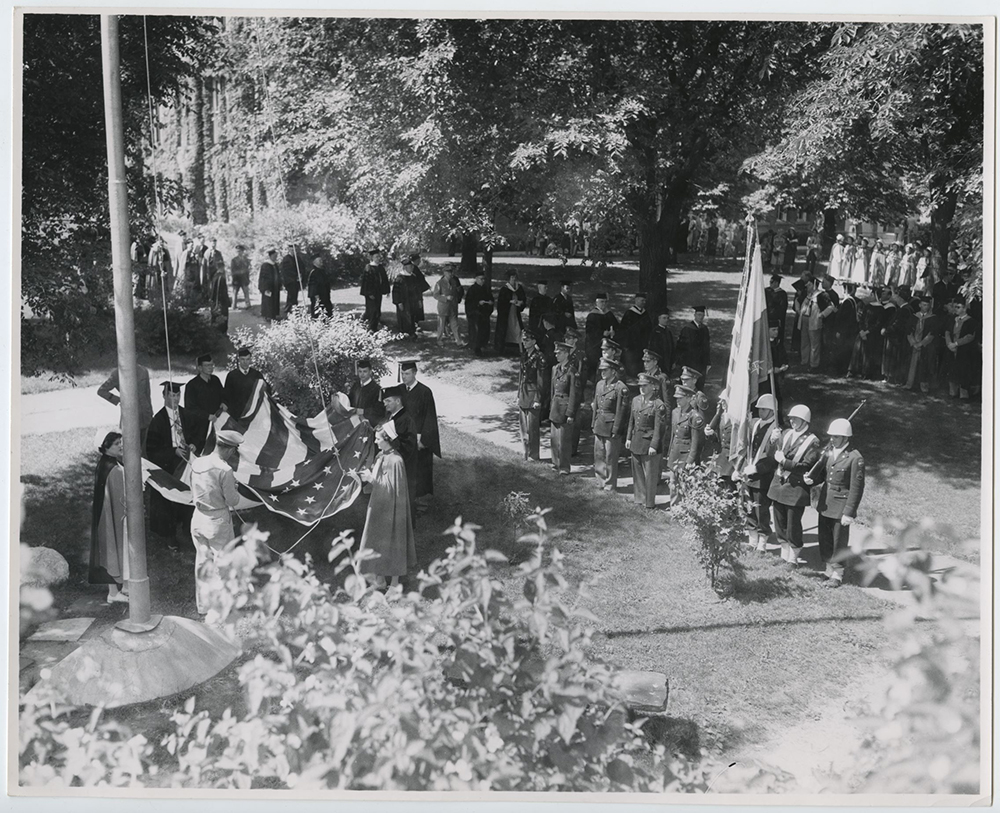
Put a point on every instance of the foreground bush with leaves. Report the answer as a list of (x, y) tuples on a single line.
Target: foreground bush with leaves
[(306, 360), (455, 686)]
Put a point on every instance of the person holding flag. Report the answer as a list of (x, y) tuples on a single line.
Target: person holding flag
[(758, 470), (796, 453)]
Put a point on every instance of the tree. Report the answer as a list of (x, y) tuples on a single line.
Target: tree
[(892, 127), (65, 241)]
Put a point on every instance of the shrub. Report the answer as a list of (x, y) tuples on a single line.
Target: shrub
[(710, 513), (289, 352), (188, 320), (456, 686)]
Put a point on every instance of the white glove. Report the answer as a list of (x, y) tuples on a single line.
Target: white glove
[(709, 431), (847, 520), (750, 470), (807, 480), (779, 456)]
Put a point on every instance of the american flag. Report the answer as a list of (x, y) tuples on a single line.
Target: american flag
[(305, 469)]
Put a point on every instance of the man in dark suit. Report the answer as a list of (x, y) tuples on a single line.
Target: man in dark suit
[(374, 285), (364, 395), (406, 434), (240, 384), (174, 435), (634, 333), (842, 472), (541, 304), (419, 403), (565, 400), (478, 307), (204, 393), (694, 348)]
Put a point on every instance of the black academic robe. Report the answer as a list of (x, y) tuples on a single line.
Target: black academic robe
[(166, 517), (367, 397), (777, 309), (507, 299), (694, 347), (541, 304), (595, 327), (633, 335), (661, 341), (478, 307), (204, 397), (238, 389), (419, 403), (562, 306)]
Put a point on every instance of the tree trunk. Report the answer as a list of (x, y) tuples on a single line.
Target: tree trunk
[(655, 238), (210, 170), (488, 265), (199, 213), (829, 236), (470, 247), (941, 228)]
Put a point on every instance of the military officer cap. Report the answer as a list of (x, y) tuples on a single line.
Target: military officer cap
[(610, 344), (564, 346), (680, 391), (647, 379), (204, 358), (243, 352), (571, 331), (529, 334), (608, 364), (397, 390), (365, 363), (228, 437), (172, 386), (648, 354), (690, 372)]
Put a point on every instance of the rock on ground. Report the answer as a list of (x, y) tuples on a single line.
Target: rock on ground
[(42, 567)]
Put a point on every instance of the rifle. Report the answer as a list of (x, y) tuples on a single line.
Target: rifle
[(829, 445)]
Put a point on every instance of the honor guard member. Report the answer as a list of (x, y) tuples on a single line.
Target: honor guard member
[(240, 384), (419, 402), (214, 494), (204, 393), (565, 399), (758, 470), (530, 386), (609, 423), (645, 434), (721, 428), (841, 470), (694, 345), (576, 358), (687, 429), (796, 453), (365, 395), (406, 436)]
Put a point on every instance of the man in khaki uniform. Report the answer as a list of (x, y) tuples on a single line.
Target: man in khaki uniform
[(609, 422), (645, 434), (565, 401)]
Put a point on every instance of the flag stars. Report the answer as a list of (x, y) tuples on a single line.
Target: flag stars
[(357, 454), (301, 511), (295, 483), (274, 498), (327, 470), (318, 487), (310, 499)]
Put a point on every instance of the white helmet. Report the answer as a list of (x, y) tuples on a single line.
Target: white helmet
[(766, 401), (841, 427), (801, 411)]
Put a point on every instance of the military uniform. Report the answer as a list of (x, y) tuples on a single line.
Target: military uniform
[(760, 455), (687, 432), (579, 362), (608, 424), (645, 434), (788, 493), (530, 386), (843, 483), (565, 399)]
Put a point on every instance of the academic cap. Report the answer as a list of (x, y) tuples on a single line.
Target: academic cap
[(701, 308), (397, 390), (366, 363), (542, 282), (205, 357), (601, 296), (173, 386), (565, 282), (643, 294), (407, 365), (243, 352)]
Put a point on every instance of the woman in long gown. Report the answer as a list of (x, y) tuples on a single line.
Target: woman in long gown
[(108, 548), (388, 526)]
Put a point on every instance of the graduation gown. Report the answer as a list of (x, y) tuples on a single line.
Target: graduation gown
[(507, 300), (164, 515), (203, 397), (238, 389), (269, 285), (388, 521), (694, 347), (419, 403), (596, 326), (367, 397), (562, 306), (541, 304), (633, 335)]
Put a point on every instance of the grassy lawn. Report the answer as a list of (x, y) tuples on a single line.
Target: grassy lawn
[(739, 669)]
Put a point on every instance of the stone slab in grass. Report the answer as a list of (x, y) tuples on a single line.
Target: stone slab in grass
[(644, 692), (87, 605), (65, 629), (38, 655)]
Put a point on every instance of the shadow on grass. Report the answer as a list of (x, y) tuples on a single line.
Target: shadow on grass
[(677, 734), (778, 622), (758, 591)]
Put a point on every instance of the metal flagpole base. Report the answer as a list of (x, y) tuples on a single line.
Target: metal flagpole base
[(122, 667), (128, 625)]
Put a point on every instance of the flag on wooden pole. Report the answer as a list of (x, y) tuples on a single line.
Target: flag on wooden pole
[(750, 353)]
